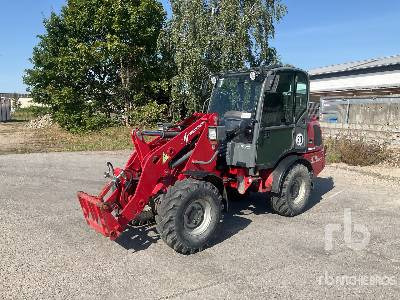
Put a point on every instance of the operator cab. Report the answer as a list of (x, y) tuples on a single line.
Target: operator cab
[(262, 115)]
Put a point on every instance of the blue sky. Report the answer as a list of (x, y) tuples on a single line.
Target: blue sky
[(314, 33)]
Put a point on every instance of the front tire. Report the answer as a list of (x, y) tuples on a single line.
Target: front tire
[(188, 215), (295, 192)]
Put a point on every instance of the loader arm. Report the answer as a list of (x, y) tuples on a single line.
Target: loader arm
[(149, 172)]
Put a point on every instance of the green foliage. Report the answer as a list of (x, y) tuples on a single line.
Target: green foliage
[(97, 58), (214, 36), (105, 59), (148, 115), (82, 122)]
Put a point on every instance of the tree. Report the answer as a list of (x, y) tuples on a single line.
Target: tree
[(218, 35), (97, 58)]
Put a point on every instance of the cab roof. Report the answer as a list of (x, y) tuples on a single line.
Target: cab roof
[(261, 70)]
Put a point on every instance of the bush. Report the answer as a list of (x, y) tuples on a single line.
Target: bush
[(148, 115), (83, 122), (355, 151)]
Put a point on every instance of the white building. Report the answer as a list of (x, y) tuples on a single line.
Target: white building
[(372, 77), (26, 102), (362, 93)]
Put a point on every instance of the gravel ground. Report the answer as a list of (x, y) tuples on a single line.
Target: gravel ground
[(14, 136), (382, 171), (48, 251)]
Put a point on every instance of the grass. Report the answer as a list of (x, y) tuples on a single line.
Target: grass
[(15, 137), (30, 113), (109, 139), (21, 116), (54, 138)]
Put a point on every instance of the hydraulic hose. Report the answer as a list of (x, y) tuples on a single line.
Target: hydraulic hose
[(181, 160), (199, 162), (164, 134)]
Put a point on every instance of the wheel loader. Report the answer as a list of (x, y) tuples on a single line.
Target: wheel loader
[(256, 136)]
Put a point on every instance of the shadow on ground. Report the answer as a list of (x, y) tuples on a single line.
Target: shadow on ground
[(322, 186), (141, 237), (235, 219), (138, 238)]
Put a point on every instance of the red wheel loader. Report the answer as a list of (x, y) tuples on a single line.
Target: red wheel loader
[(256, 136)]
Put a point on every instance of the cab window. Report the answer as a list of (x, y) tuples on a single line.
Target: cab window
[(278, 106), (301, 95)]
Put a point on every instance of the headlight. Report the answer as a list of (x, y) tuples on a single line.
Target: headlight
[(212, 133)]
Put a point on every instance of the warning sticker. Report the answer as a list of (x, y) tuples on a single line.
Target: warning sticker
[(165, 158)]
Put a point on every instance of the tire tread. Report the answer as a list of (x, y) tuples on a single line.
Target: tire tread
[(167, 211), (280, 201)]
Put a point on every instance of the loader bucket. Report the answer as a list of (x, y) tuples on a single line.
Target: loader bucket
[(98, 216)]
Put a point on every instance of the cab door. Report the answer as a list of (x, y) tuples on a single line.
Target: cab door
[(301, 111), (278, 124)]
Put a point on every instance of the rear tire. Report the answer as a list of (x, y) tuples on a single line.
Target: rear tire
[(295, 192), (188, 215)]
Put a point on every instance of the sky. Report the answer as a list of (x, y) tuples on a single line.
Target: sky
[(314, 33)]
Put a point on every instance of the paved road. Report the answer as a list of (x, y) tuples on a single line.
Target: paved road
[(47, 250)]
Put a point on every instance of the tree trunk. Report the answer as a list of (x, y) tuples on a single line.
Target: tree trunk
[(125, 88)]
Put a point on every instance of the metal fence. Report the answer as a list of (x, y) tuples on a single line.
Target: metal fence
[(5, 109), (383, 111)]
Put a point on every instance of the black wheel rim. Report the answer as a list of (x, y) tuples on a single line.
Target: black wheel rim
[(297, 191)]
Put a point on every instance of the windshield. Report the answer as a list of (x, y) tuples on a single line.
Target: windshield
[(235, 93)]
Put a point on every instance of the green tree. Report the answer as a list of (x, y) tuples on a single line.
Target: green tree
[(214, 36), (97, 58), (166, 66)]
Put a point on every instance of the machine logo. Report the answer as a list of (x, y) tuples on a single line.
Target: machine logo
[(187, 135), (299, 139), (315, 159)]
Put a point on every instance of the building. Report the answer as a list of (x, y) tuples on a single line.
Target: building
[(362, 97), (26, 102), (366, 78)]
